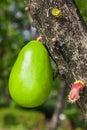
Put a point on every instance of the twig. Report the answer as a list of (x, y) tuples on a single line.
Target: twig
[(60, 100), (26, 2)]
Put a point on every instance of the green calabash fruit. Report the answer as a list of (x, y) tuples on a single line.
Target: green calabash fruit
[(31, 76)]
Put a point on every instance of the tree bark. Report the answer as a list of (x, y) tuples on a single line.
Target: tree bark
[(70, 52)]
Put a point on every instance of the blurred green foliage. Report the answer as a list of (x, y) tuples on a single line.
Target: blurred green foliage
[(13, 22), (19, 119), (82, 6), (14, 34)]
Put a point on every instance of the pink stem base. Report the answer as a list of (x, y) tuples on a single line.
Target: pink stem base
[(75, 91)]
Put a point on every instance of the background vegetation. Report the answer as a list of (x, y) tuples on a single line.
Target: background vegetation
[(15, 32)]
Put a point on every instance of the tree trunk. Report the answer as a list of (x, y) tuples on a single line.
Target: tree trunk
[(70, 51)]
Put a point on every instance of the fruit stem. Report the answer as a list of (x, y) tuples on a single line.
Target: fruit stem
[(39, 38)]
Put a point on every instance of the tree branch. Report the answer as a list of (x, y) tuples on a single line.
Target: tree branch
[(70, 52), (59, 105)]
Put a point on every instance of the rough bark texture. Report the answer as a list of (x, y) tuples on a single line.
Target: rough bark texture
[(70, 52)]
